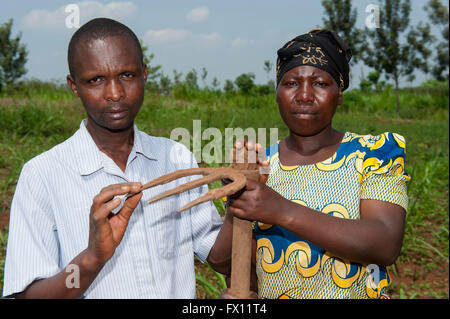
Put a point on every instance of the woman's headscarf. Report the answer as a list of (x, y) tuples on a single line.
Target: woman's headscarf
[(320, 48)]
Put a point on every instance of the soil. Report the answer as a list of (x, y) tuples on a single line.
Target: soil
[(417, 282), (4, 220)]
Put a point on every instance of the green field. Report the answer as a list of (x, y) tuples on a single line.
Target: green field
[(35, 118)]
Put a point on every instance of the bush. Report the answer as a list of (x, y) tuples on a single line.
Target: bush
[(32, 120)]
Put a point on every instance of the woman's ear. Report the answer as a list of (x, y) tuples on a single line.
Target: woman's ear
[(339, 102)]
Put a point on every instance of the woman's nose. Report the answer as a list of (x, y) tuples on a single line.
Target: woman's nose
[(304, 92)]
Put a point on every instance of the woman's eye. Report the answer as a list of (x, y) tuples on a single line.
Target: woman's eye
[(321, 84)]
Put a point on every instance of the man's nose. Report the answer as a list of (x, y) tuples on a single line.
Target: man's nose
[(114, 90)]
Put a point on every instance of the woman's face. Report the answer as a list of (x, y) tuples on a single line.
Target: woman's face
[(307, 98)]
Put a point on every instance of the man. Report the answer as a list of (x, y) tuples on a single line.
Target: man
[(79, 225)]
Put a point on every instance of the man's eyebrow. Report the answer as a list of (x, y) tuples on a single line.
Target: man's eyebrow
[(127, 68)]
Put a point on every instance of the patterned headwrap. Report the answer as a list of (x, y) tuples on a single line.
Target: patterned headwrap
[(320, 48)]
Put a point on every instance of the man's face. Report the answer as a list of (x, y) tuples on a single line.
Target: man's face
[(109, 78), (307, 98)]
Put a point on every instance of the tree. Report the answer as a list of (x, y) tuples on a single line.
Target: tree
[(215, 84), (191, 79), (438, 14), (13, 56), (420, 38), (268, 67), (229, 86), (245, 82), (153, 71), (165, 84), (387, 54), (372, 81), (204, 74), (177, 76), (374, 78), (341, 18)]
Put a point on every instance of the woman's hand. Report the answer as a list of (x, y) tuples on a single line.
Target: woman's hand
[(259, 202), (248, 155)]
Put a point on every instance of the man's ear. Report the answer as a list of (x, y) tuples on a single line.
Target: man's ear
[(71, 83), (145, 73)]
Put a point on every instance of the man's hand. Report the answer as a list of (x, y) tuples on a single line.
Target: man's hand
[(106, 230)]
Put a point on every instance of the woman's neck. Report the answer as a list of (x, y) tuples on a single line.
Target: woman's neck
[(303, 150)]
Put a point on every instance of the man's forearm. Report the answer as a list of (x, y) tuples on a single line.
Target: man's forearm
[(71, 282)]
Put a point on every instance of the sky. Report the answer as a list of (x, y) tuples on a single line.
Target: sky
[(227, 38)]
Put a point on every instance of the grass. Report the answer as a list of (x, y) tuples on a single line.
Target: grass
[(36, 118)]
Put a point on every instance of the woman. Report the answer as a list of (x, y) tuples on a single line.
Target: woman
[(331, 215)]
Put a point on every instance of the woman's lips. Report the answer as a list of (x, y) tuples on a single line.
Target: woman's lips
[(304, 114)]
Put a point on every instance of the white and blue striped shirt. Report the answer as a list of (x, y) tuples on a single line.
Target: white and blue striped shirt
[(49, 220)]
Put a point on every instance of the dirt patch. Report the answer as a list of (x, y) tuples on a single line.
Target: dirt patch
[(423, 273), (4, 220), (416, 281), (207, 274)]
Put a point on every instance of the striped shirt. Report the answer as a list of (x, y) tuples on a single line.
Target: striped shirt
[(49, 220)]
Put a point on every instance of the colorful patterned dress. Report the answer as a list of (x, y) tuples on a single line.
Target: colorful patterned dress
[(363, 167)]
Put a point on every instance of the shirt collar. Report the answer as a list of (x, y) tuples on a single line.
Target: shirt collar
[(89, 157), (142, 148)]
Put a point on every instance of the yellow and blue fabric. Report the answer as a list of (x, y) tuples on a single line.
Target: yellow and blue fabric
[(363, 167)]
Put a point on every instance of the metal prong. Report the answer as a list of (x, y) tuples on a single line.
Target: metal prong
[(188, 186), (175, 175), (216, 193), (212, 174)]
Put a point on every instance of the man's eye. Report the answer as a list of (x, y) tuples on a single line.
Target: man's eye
[(290, 83), (94, 80), (127, 75)]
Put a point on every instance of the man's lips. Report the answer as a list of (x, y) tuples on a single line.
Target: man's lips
[(117, 113)]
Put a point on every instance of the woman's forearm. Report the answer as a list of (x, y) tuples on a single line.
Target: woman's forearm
[(367, 240)]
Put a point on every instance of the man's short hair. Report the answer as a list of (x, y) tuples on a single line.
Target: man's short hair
[(99, 28)]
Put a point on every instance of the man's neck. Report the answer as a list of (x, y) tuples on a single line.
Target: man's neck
[(116, 144)]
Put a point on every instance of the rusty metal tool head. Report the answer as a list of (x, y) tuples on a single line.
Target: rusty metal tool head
[(211, 174), (238, 173)]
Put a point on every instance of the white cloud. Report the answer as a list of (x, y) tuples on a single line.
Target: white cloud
[(165, 36), (198, 14), (181, 37), (240, 42), (213, 36), (55, 20)]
